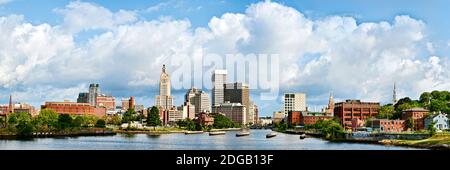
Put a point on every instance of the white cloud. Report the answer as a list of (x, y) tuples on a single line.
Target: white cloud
[(80, 16), (430, 47), (358, 60), (2, 2)]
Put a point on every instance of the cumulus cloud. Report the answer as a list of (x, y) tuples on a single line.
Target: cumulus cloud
[(81, 16), (334, 53), (2, 2)]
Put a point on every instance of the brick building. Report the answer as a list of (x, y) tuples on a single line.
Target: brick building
[(109, 102), (350, 109), (418, 116), (294, 118), (73, 108), (204, 119), (307, 118), (385, 125)]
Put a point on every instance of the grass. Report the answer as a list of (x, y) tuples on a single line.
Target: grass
[(438, 139)]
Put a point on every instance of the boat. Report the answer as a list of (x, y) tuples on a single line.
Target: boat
[(271, 135), (193, 132), (302, 136), (216, 133), (240, 134)]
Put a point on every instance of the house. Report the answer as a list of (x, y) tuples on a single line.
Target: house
[(440, 119), (417, 115), (385, 125)]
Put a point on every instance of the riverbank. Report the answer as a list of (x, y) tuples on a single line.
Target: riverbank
[(52, 134), (160, 131), (437, 142)]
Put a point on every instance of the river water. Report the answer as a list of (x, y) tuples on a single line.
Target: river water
[(256, 141)]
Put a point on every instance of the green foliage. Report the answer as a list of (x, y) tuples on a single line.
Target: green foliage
[(329, 128), (24, 126), (46, 120), (410, 123), (431, 128), (436, 101), (188, 124), (386, 112), (281, 126), (114, 120), (100, 123), (221, 121), (153, 117), (65, 121), (129, 115)]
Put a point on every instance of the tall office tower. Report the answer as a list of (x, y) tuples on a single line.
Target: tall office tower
[(164, 99), (251, 113), (199, 99), (237, 93), (219, 78), (294, 102), (94, 90)]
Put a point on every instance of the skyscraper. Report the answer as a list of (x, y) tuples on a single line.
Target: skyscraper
[(199, 99), (219, 78), (237, 93), (294, 102), (164, 99), (94, 90)]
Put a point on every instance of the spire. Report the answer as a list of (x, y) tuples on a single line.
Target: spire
[(164, 68), (394, 95)]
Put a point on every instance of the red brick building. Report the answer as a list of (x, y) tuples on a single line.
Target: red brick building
[(418, 116), (350, 109), (307, 118), (385, 125), (72, 108), (357, 123), (204, 119), (109, 102), (294, 118)]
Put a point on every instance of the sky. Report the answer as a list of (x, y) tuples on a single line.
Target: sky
[(51, 50)]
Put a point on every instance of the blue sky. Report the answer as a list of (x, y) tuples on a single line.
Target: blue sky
[(435, 42)]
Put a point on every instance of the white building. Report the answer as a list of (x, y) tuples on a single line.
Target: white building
[(199, 99), (440, 119), (164, 99), (294, 102), (264, 121), (219, 78)]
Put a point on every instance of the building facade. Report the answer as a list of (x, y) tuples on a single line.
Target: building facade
[(25, 108), (308, 118), (164, 99), (109, 102), (294, 102), (94, 91), (83, 97), (235, 111), (199, 99), (350, 109), (440, 120), (385, 125), (204, 119), (417, 115), (219, 78), (278, 116), (73, 108), (293, 118)]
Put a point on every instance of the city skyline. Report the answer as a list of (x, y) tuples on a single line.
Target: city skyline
[(406, 46)]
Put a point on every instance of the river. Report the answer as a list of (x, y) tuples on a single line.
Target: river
[(178, 141)]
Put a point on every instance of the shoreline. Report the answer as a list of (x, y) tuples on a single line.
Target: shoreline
[(385, 142)]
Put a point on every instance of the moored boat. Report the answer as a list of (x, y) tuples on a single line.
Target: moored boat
[(302, 136), (216, 133), (271, 135), (193, 132), (242, 134)]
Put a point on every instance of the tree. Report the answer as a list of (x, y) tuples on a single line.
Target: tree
[(425, 97), (386, 112), (153, 117), (221, 121), (78, 121), (24, 126), (410, 123), (115, 120), (432, 128), (129, 115), (64, 121), (100, 123), (46, 120)]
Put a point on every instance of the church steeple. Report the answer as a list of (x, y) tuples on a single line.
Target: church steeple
[(11, 107)]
